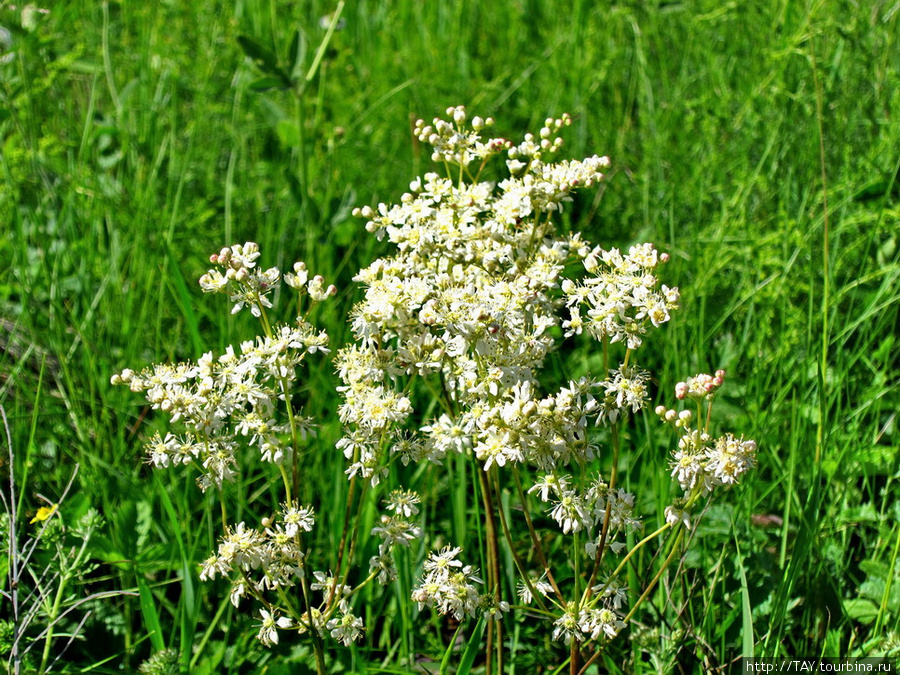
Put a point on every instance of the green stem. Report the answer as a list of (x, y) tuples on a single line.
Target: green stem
[(534, 538), (493, 570), (518, 561), (601, 548), (656, 578)]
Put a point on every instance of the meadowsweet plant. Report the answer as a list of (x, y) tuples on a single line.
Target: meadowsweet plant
[(482, 283), (242, 399)]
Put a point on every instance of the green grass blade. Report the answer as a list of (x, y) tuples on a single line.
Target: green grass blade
[(149, 613), (747, 636), (185, 301), (473, 646), (187, 605)]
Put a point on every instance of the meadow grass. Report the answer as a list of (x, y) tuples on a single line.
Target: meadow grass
[(757, 144)]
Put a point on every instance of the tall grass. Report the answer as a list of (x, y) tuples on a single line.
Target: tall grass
[(135, 138)]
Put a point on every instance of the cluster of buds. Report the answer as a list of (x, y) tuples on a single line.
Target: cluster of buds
[(701, 462), (530, 149), (700, 386), (246, 285), (454, 143)]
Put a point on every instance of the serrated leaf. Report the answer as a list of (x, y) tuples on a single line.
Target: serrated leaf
[(861, 610), (874, 568)]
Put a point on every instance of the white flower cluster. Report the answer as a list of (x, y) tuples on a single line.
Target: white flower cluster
[(395, 530), (449, 585), (482, 285), (584, 623), (241, 399), (702, 463), (246, 285), (575, 510), (471, 299), (622, 298), (226, 401), (274, 552)]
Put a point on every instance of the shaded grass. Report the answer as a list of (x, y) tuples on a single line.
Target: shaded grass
[(134, 144)]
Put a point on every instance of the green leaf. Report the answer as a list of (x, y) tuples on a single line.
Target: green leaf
[(472, 648), (861, 610), (264, 58), (288, 133), (266, 83), (185, 302), (747, 637), (148, 610)]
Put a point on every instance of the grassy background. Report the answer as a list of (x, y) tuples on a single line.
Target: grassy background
[(756, 142)]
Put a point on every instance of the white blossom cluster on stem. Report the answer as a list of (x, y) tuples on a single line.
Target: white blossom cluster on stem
[(701, 463), (222, 405), (482, 283)]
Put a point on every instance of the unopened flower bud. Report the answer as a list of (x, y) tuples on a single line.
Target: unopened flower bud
[(681, 390), (660, 410), (241, 274)]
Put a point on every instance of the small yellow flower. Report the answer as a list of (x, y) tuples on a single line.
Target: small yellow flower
[(44, 513)]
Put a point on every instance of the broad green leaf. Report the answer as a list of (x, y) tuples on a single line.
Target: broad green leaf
[(861, 609)]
